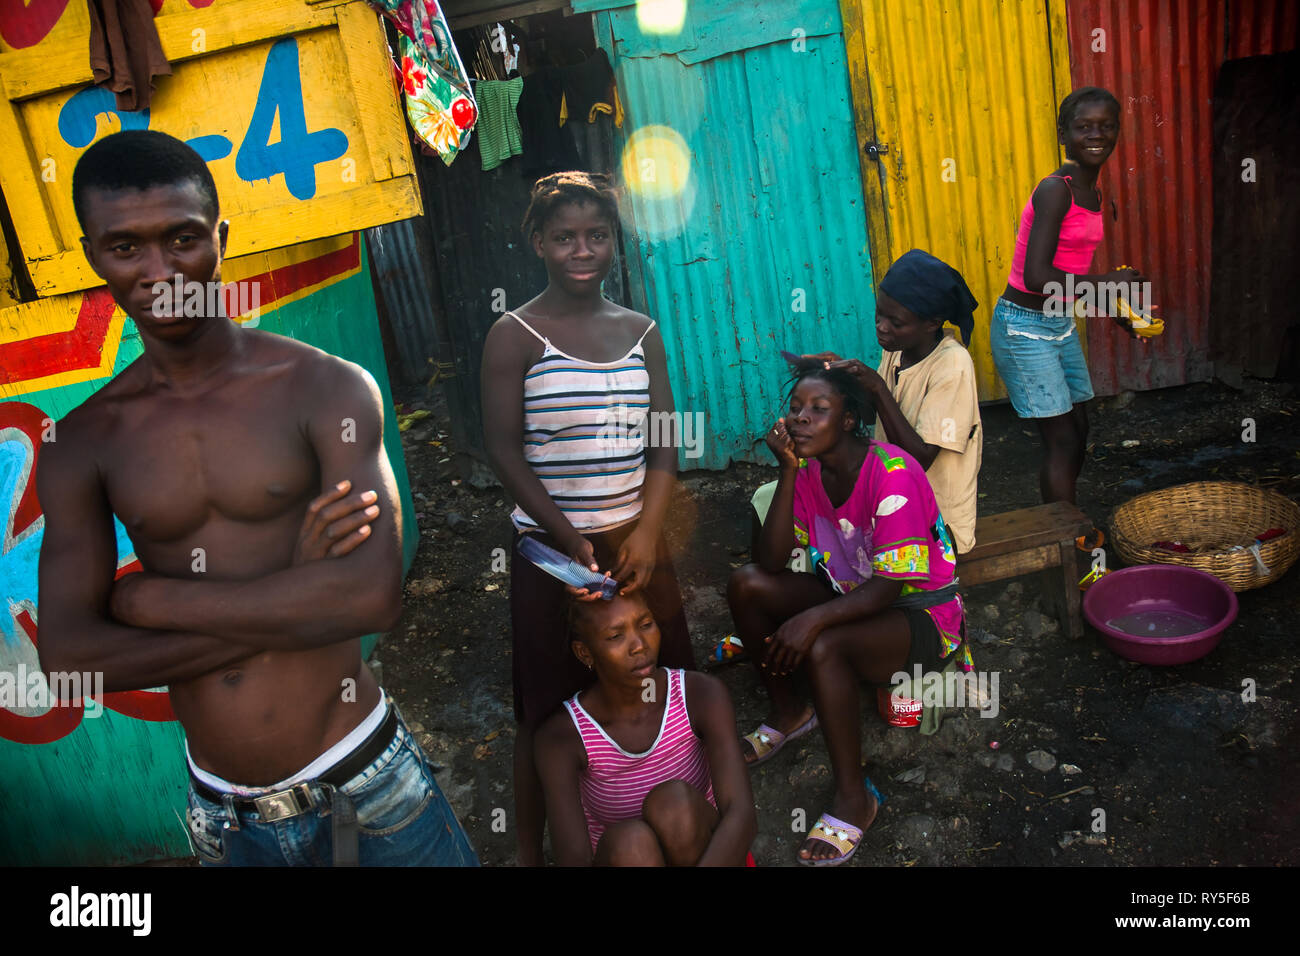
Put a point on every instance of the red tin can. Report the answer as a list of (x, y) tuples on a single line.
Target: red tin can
[(898, 711)]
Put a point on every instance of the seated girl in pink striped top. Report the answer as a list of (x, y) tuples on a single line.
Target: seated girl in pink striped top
[(631, 777)]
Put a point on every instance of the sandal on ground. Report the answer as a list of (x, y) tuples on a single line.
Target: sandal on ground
[(1092, 540), (728, 650), (844, 837), (767, 741)]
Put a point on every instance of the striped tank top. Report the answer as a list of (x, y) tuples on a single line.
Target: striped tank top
[(581, 434), (616, 783)]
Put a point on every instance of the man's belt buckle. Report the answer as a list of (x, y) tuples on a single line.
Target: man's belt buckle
[(285, 803)]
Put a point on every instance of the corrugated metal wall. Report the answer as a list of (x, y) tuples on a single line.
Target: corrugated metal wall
[(1254, 322), (766, 247), (1160, 60), (1260, 27), (964, 97), (401, 253)]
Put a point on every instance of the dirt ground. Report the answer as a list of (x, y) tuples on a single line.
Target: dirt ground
[(1184, 770)]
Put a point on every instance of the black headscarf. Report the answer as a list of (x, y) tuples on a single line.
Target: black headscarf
[(932, 289)]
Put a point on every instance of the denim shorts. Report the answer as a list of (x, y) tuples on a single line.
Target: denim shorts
[(1040, 359), (403, 819)]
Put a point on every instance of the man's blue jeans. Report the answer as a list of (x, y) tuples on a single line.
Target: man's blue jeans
[(404, 820)]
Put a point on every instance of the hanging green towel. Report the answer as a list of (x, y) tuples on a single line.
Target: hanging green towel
[(499, 136)]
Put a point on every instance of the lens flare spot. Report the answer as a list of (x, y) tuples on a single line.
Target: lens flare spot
[(657, 175), (662, 17), (656, 162)]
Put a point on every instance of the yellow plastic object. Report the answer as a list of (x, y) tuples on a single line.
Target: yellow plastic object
[(1092, 577), (1146, 326)]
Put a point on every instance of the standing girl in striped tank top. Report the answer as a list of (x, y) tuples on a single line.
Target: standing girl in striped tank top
[(566, 376), (632, 776)]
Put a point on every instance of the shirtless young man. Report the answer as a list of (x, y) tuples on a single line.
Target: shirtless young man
[(214, 448)]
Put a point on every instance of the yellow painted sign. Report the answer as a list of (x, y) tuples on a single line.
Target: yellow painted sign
[(291, 104)]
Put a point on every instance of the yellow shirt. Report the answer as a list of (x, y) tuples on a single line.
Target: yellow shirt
[(937, 396)]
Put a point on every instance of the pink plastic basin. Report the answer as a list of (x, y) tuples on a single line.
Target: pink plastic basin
[(1150, 595)]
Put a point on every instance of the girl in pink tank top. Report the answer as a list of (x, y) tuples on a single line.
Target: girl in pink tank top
[(1032, 334), (633, 776)]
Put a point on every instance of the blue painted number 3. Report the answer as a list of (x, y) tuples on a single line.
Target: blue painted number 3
[(298, 151), (295, 155)]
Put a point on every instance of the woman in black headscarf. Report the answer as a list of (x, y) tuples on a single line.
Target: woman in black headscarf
[(924, 388)]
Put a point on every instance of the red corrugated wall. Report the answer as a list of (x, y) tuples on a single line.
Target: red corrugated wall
[(1160, 60)]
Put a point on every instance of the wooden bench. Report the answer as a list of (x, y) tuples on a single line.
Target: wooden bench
[(1013, 543)]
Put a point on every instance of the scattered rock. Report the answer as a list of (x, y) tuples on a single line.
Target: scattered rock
[(424, 587), (1130, 443), (1005, 762), (915, 775), (1080, 836), (1070, 769), (1123, 400), (991, 612), (1041, 760), (945, 784), (1033, 623), (1018, 658), (916, 828), (980, 635), (457, 522)]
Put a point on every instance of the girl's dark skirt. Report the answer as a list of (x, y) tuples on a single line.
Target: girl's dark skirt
[(544, 669)]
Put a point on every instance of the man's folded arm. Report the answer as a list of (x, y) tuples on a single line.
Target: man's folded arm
[(77, 564), (320, 602)]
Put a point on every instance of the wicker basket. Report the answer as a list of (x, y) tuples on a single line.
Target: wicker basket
[(1210, 517)]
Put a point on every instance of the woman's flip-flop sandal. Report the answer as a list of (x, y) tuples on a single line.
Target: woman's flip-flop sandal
[(1089, 542), (844, 837), (729, 650), (766, 741)]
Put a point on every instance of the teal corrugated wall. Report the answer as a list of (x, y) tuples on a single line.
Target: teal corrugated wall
[(765, 248)]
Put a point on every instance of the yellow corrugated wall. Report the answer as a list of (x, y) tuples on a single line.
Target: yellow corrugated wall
[(964, 95)]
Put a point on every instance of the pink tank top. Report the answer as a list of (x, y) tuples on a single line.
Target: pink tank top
[(616, 783), (1081, 233)]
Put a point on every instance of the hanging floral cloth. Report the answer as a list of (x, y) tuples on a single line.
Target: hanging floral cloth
[(439, 102)]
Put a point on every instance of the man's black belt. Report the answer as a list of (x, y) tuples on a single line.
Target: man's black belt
[(298, 798)]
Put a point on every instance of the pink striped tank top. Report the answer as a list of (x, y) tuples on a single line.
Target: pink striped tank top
[(616, 783), (1081, 232)]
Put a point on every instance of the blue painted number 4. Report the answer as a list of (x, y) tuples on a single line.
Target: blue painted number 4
[(295, 155), (298, 151)]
